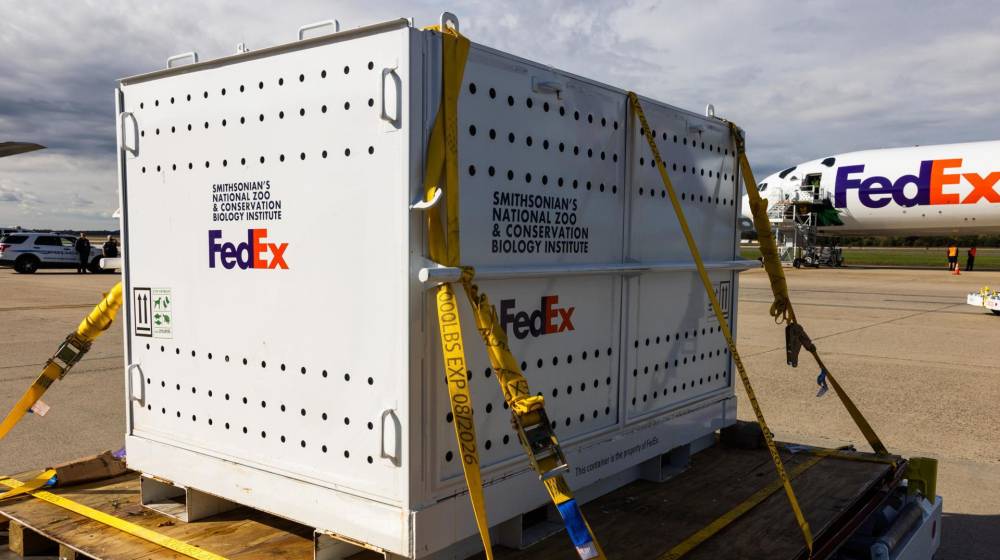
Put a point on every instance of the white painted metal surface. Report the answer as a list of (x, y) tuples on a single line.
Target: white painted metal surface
[(301, 375), (990, 301)]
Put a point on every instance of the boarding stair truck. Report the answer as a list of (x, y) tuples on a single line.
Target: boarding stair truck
[(289, 357), (795, 224)]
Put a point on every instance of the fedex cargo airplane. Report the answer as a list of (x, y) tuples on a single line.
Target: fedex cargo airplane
[(949, 189)]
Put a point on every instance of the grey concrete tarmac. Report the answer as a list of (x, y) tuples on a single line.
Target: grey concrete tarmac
[(919, 362)]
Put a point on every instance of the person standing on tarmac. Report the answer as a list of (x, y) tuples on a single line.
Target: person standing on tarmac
[(82, 247), (952, 257), (110, 248), (970, 258)]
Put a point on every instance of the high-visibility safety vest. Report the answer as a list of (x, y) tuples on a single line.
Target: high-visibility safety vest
[(952, 251)]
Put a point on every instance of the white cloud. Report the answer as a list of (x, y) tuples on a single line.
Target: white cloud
[(805, 78)]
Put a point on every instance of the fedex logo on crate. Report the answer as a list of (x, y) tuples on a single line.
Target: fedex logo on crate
[(549, 318), (930, 186), (255, 252)]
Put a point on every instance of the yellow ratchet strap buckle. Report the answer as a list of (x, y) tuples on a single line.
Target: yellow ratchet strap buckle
[(541, 445), (69, 353)]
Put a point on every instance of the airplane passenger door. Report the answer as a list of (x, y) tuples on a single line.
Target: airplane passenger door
[(810, 185)]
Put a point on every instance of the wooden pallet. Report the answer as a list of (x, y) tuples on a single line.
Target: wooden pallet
[(640, 520)]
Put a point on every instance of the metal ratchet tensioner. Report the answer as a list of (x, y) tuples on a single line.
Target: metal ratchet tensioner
[(541, 445)]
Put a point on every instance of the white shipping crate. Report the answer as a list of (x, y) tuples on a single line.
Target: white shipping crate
[(282, 343)]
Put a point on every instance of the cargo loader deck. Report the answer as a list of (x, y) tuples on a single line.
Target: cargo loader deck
[(641, 520)]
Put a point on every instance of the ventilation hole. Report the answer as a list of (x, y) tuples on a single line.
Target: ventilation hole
[(472, 87), (447, 456)]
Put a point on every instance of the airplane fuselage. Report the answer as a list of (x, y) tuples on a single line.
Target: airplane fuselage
[(951, 189)]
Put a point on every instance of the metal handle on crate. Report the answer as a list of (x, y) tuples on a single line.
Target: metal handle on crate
[(384, 115), (317, 25), (192, 55), (396, 428), (135, 126), (447, 17), (142, 386)]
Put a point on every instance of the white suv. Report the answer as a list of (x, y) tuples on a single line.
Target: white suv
[(28, 251)]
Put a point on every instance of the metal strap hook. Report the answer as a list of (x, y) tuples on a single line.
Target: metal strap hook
[(448, 17)]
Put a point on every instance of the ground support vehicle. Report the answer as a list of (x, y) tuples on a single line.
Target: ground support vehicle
[(28, 251), (985, 298)]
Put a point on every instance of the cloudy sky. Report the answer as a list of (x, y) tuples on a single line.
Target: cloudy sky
[(804, 78)]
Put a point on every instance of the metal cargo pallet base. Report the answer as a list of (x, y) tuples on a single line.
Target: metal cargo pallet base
[(640, 520)]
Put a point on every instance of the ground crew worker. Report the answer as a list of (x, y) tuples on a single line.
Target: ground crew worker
[(970, 258), (952, 257), (82, 247), (110, 248)]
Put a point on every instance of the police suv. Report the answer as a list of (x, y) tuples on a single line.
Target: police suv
[(28, 251)]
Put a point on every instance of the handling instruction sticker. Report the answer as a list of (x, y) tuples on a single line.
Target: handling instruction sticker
[(153, 312), (724, 295)]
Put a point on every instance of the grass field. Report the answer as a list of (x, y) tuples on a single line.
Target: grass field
[(932, 257)]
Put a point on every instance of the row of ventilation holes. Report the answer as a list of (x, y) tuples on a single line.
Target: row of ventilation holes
[(529, 141), (614, 188), (448, 456), (263, 434), (529, 103), (243, 161), (260, 118), (260, 86), (263, 364)]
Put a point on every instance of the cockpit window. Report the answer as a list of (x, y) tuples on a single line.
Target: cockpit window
[(762, 187), (829, 162), (785, 173)]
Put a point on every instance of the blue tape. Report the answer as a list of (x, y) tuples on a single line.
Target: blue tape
[(575, 526)]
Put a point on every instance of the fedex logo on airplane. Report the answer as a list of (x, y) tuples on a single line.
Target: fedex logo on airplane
[(252, 253), (933, 182)]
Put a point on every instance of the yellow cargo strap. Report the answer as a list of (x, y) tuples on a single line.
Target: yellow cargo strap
[(781, 309), (723, 324), (741, 509), (160, 539), (530, 421), (442, 169), (30, 486), (69, 353)]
